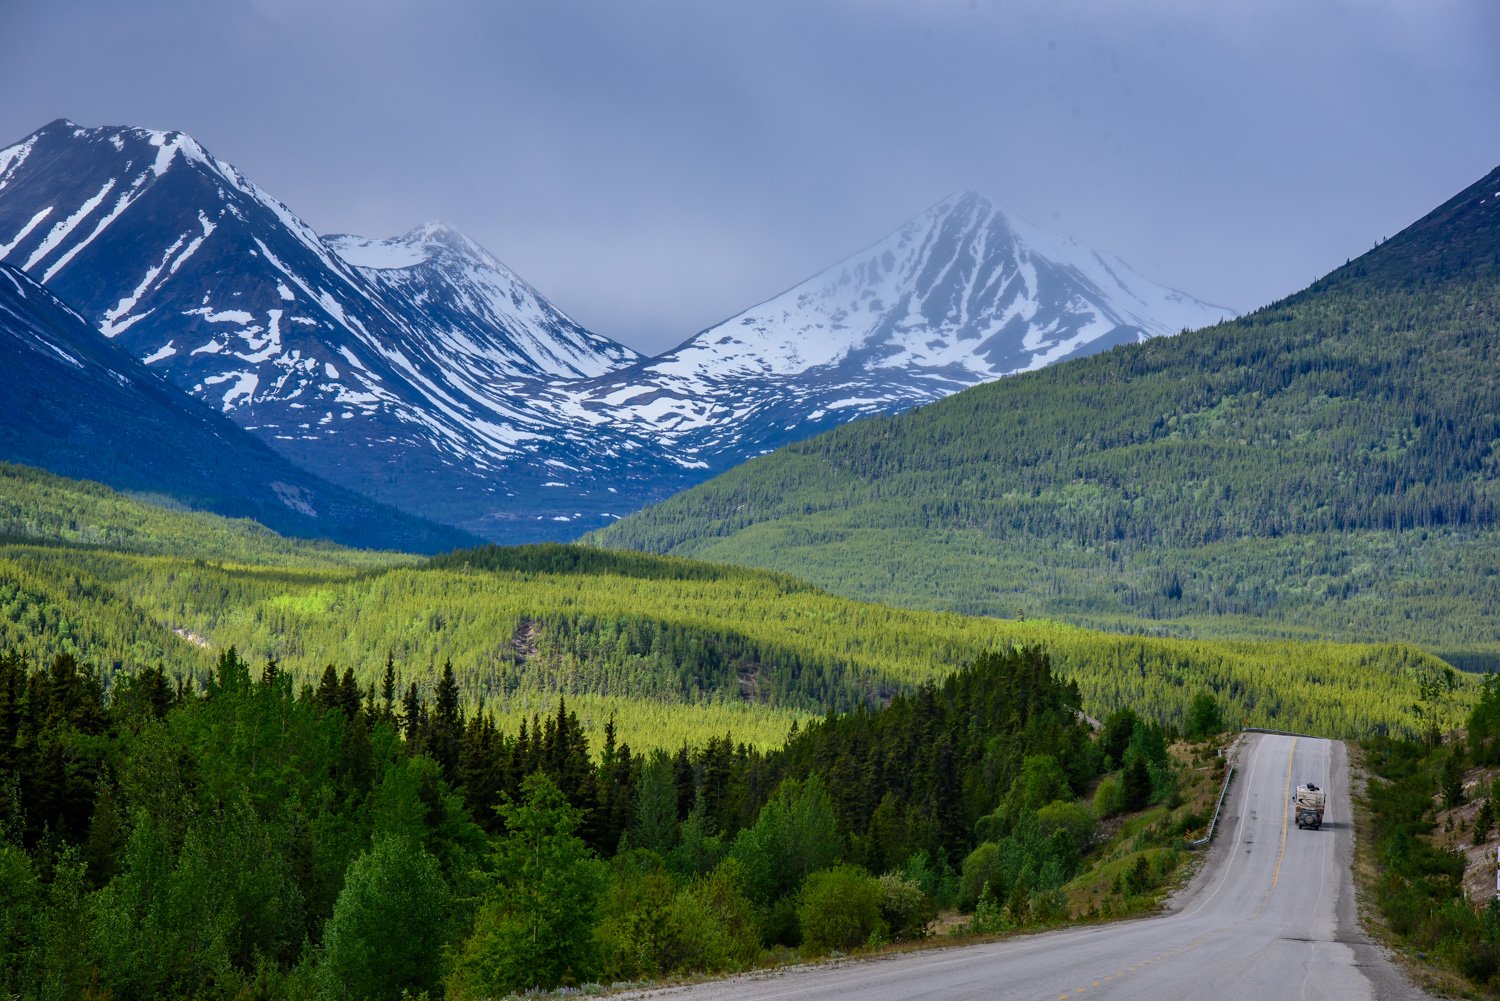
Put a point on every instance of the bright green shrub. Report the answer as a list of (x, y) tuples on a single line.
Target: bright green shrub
[(839, 908), (1109, 799), (1078, 819)]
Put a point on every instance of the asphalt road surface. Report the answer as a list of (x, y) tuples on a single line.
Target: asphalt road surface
[(1269, 916)]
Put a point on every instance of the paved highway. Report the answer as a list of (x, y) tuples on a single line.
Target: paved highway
[(1269, 916)]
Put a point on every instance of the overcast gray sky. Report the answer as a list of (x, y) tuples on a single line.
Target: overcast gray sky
[(654, 167)]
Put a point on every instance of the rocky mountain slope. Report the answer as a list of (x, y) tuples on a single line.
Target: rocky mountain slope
[(964, 293)]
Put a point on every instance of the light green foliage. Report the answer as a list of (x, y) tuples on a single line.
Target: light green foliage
[(839, 908), (1077, 818), (637, 931), (1029, 861), (1109, 798), (795, 834), (904, 908), (651, 926), (1041, 781), (979, 867), (989, 916), (673, 650), (727, 913), (1324, 467), (389, 926), (939, 882), (535, 924)]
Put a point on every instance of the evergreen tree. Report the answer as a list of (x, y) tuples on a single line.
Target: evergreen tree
[(1135, 782), (1204, 718), (535, 924), (349, 695), (388, 687), (413, 719), (328, 695), (685, 781), (654, 824), (445, 727), (1484, 822)]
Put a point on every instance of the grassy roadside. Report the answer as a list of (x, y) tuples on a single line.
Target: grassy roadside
[(1142, 859)]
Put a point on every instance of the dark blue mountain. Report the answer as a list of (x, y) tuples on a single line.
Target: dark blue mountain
[(77, 405)]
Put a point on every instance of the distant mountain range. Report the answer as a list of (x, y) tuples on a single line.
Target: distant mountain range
[(422, 372), (962, 294), (74, 403), (1326, 467)]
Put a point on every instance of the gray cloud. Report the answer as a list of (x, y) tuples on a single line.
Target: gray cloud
[(655, 167)]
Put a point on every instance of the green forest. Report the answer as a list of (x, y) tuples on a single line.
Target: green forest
[(257, 838), (1323, 467), (976, 660), (1422, 800), (671, 648), (232, 765)]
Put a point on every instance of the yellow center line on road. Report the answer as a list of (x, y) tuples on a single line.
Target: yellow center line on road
[(1286, 799), (1207, 936)]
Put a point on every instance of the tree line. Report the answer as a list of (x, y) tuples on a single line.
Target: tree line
[(261, 837)]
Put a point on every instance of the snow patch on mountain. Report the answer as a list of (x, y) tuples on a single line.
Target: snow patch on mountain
[(376, 255)]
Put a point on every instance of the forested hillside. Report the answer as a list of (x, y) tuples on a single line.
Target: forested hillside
[(1432, 807), (675, 650), (232, 765), (254, 841), (1323, 467)]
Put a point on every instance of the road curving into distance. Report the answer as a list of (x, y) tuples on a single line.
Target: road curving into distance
[(1270, 916)]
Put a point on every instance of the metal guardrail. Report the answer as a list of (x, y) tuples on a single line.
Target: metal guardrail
[(1214, 821)]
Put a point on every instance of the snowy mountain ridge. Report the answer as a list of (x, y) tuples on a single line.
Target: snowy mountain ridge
[(412, 385), (423, 372), (962, 294)]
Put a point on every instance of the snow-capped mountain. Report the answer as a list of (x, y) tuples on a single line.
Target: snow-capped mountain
[(962, 294), (401, 369), (75, 404), (422, 372), (477, 315)]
